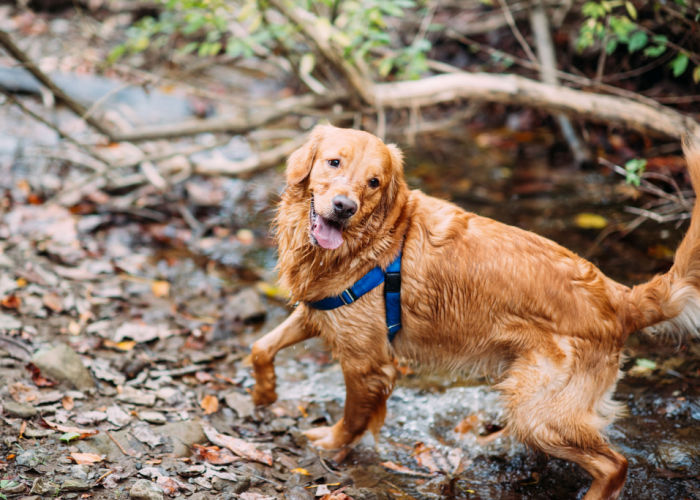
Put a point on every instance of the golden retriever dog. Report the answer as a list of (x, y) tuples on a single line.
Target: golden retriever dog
[(475, 294)]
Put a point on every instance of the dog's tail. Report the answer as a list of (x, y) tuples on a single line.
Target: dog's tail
[(669, 304)]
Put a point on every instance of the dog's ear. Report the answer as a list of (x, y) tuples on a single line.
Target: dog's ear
[(300, 161), (396, 157)]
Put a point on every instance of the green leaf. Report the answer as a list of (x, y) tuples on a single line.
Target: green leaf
[(69, 436), (631, 10), (385, 66), (646, 363), (635, 168), (696, 74), (679, 64), (611, 46), (637, 41), (654, 50)]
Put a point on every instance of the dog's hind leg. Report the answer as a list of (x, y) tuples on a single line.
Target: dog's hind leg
[(368, 384), (289, 332), (561, 413)]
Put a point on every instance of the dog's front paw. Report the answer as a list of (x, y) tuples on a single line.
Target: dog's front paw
[(263, 396)]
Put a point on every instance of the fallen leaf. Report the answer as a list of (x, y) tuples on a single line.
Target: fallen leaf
[(23, 393), (214, 454), (403, 470), (11, 301), (67, 402), (69, 429), (22, 428), (210, 404), (86, 458), (590, 221), (53, 301), (238, 446), (301, 471), (124, 345), (38, 379), (426, 457), (467, 424), (160, 288), (203, 377)]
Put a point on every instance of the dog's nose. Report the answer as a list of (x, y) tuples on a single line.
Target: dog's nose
[(343, 206)]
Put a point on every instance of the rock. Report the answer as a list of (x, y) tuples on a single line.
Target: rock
[(62, 363), (8, 322), (44, 487), (183, 435), (74, 485), (21, 410), (153, 417), (117, 416), (242, 404), (146, 490), (136, 397), (298, 493), (31, 458), (12, 488), (246, 306)]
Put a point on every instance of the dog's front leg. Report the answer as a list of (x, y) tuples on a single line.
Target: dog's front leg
[(368, 384), (289, 332)]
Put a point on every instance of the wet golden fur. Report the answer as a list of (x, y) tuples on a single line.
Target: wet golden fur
[(547, 324)]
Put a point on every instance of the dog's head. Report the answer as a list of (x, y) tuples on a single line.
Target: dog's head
[(350, 177)]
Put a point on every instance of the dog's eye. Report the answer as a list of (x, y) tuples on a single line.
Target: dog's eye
[(373, 182), (335, 163)]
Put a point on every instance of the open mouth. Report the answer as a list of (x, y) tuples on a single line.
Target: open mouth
[(326, 233)]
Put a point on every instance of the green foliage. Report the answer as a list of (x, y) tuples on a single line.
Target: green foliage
[(614, 24), (634, 169), (203, 27)]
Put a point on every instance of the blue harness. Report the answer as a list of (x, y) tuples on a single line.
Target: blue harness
[(392, 294)]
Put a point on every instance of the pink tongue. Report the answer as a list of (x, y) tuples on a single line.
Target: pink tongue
[(329, 237)]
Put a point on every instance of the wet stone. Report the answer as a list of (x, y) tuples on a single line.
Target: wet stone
[(153, 417), (62, 363), (75, 485), (246, 306), (21, 410), (30, 458), (43, 486), (136, 397), (144, 489), (242, 404)]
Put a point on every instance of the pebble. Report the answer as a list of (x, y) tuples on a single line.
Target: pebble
[(62, 363), (146, 490), (153, 417), (21, 410), (43, 486), (242, 404), (75, 485), (136, 397)]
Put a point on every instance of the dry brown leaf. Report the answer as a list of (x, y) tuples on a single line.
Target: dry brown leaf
[(210, 404), (67, 428), (424, 456), (11, 301), (38, 379), (301, 471), (86, 458), (403, 470), (214, 454), (160, 288), (238, 446), (203, 377), (53, 301), (124, 345), (23, 393), (67, 402), (467, 424)]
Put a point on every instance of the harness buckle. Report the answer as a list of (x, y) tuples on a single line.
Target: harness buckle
[(392, 282), (348, 296)]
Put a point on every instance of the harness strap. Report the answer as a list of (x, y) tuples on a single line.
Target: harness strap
[(375, 277)]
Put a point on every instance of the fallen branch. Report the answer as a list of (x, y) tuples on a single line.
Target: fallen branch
[(512, 89)]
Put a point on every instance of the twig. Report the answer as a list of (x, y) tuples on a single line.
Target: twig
[(93, 154), (76, 107), (514, 28), (121, 448), (547, 59)]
